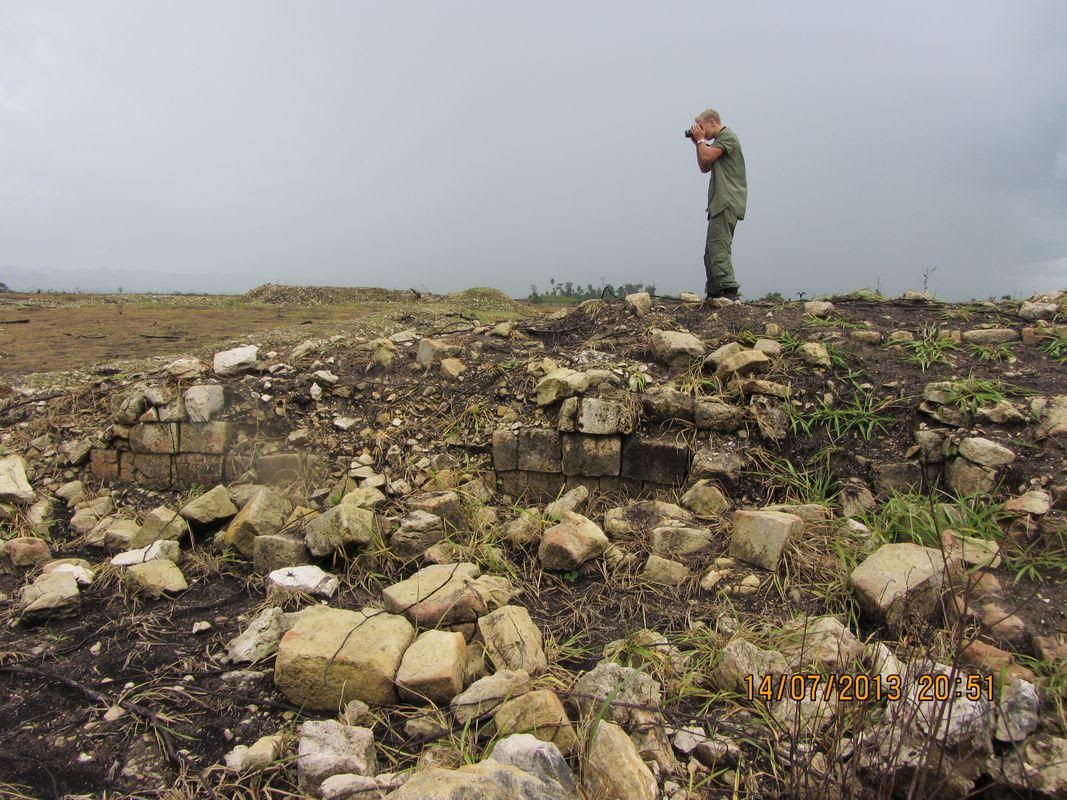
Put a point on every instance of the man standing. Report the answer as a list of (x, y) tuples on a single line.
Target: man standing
[(719, 152)]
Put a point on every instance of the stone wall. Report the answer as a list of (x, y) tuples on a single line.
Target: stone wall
[(540, 462), (160, 440)]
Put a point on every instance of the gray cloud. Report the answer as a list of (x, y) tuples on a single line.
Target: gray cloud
[(215, 146)]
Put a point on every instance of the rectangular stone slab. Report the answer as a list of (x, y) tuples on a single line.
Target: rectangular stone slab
[(332, 655)]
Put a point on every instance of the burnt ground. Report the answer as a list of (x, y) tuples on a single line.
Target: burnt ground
[(59, 677)]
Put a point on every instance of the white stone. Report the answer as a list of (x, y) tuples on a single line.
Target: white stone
[(305, 578), (259, 640), (14, 487), (164, 548), (235, 361), (328, 747), (204, 401)]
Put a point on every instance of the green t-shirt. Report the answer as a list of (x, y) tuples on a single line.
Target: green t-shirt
[(728, 187)]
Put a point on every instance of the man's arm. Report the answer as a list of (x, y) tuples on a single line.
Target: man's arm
[(707, 155)]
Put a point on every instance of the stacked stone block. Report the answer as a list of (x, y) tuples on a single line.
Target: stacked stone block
[(166, 455), (594, 446)]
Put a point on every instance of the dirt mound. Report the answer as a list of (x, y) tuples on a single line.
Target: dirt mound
[(278, 294), (481, 298)]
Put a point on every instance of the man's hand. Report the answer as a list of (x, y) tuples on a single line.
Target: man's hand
[(697, 132)]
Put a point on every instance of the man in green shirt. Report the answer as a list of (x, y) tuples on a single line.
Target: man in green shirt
[(719, 152)]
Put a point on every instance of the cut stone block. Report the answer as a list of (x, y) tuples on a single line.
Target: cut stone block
[(339, 527), (204, 401), (664, 461), (505, 450), (539, 450), (571, 543), (594, 415), (332, 655), (205, 437), (513, 641), (715, 415), (154, 437), (759, 537), (539, 713), (899, 583), (433, 667), (591, 456)]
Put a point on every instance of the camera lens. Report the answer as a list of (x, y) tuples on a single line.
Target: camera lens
[(688, 134)]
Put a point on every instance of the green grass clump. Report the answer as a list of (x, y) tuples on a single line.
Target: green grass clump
[(861, 413), (931, 346)]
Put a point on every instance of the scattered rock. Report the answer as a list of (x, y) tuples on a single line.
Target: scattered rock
[(164, 548), (50, 596), (986, 452), (263, 515), (815, 354), (740, 659), (571, 543), (573, 501), (513, 641), (818, 308), (14, 487), (759, 537), (23, 553), (433, 668), (675, 348), (536, 757), (672, 541), (638, 303), (306, 578), (235, 361), (447, 594), (540, 713), (337, 528), (332, 655), (613, 769), (328, 748), (161, 523), (485, 694), (259, 640), (990, 335), (259, 755), (1017, 712), (900, 583), (155, 578), (209, 508), (664, 571), (743, 362), (706, 500), (486, 780)]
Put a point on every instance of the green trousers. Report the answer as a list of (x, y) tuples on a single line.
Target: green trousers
[(718, 263)]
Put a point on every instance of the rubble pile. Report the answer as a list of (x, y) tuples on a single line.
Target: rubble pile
[(580, 555)]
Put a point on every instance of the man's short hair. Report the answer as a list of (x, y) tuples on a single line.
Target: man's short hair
[(709, 115)]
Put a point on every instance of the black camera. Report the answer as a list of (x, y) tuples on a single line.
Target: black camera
[(688, 134)]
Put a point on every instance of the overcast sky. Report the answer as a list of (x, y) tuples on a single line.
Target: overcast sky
[(218, 145)]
